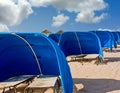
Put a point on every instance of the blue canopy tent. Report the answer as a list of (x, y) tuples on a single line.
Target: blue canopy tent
[(55, 37), (20, 54), (105, 39), (76, 43), (118, 37), (114, 44)]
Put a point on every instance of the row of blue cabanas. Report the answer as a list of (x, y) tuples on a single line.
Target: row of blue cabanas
[(92, 42), (106, 38), (36, 54), (33, 54)]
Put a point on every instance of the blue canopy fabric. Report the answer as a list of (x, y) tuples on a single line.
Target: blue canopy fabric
[(17, 58), (55, 37), (114, 44), (118, 37), (76, 43), (105, 39)]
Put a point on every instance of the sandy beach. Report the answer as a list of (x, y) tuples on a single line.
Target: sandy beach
[(102, 78)]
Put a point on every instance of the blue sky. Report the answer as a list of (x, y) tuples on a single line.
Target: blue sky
[(54, 15)]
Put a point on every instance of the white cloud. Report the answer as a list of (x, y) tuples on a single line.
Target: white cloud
[(3, 28), (59, 20), (85, 9), (71, 5), (89, 17), (41, 3), (107, 29), (13, 12), (104, 29), (118, 29)]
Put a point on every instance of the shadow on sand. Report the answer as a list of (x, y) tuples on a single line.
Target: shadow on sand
[(112, 59), (98, 85)]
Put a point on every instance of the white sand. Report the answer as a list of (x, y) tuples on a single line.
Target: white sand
[(103, 78)]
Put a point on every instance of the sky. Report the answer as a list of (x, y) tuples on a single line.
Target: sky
[(55, 15)]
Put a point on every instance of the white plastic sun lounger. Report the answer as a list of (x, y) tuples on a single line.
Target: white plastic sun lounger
[(96, 57), (85, 57), (42, 83), (77, 57), (11, 83)]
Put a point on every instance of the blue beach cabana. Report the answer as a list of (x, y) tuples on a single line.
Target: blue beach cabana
[(105, 39), (76, 43), (33, 54), (55, 37), (114, 44), (116, 36)]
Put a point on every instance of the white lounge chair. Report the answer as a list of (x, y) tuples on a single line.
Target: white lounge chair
[(12, 82), (42, 83), (84, 57)]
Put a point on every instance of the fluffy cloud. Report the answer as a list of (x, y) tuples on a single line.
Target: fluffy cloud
[(71, 5), (59, 20), (3, 28), (41, 3), (104, 29), (89, 17), (13, 12), (85, 9)]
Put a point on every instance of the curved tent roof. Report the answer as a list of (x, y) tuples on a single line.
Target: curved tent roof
[(55, 37), (75, 43), (18, 58), (105, 39), (113, 40), (118, 37)]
